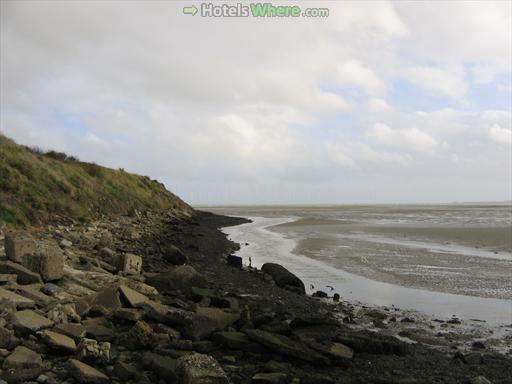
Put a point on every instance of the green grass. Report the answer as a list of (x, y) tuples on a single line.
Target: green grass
[(36, 187)]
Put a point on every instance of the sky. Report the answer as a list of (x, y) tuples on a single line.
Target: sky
[(380, 102)]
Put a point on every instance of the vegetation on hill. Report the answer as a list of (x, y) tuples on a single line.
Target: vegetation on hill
[(37, 187)]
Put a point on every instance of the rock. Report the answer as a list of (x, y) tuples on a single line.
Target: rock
[(51, 289), (207, 321), (18, 245), (59, 341), (141, 334), (22, 364), (201, 293), (480, 380), (75, 331), (48, 261), (33, 292), (30, 321), (65, 244), (238, 341), (235, 261), (197, 368), (43, 379), (8, 278), (105, 301), (336, 297), (320, 294), (108, 254), (7, 338), (84, 373), (220, 318), (163, 367), (174, 255), (99, 331), (19, 301), (91, 350), (25, 276), (339, 352), (106, 239), (478, 345), (132, 297), (129, 314), (286, 346), (269, 378), (181, 278), (129, 263), (125, 371), (64, 313), (369, 344), (284, 278)]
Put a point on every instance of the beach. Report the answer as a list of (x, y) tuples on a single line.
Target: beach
[(439, 260)]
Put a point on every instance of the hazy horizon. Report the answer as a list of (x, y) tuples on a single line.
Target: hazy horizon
[(381, 102)]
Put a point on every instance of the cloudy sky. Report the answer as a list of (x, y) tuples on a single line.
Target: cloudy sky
[(380, 102)]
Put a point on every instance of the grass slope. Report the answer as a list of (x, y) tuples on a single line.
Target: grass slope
[(37, 188)]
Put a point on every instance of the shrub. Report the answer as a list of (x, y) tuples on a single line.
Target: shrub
[(93, 169)]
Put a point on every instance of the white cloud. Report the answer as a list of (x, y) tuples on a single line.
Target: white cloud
[(412, 138), (352, 72), (500, 135), (449, 83), (208, 105), (379, 105)]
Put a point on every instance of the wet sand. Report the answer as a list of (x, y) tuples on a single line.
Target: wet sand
[(460, 260), (436, 259)]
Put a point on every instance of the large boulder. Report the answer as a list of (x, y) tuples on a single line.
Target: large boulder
[(48, 261), (18, 245), (174, 255), (284, 278)]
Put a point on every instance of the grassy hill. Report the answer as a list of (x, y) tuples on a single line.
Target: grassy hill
[(38, 187)]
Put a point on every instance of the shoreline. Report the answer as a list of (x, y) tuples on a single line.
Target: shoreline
[(470, 327), (195, 303)]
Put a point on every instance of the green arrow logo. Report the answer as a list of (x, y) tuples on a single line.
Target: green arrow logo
[(190, 10)]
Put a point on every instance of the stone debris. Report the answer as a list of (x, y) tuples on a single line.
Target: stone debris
[(18, 245), (59, 341), (84, 373), (92, 350), (19, 301), (134, 298), (25, 275), (30, 321), (73, 330), (129, 263), (172, 322), (21, 365), (47, 261), (200, 369)]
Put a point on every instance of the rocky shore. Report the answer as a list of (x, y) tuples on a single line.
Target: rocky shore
[(160, 298)]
